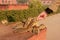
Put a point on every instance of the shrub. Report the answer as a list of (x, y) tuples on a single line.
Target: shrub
[(34, 10)]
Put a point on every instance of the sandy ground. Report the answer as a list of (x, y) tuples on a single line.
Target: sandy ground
[(53, 27), (53, 30), (6, 33)]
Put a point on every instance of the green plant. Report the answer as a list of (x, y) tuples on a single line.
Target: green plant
[(35, 8)]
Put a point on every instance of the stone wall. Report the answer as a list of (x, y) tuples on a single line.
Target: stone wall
[(13, 7)]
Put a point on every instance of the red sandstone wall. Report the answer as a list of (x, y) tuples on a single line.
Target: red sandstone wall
[(17, 7), (8, 2), (13, 7), (0, 1)]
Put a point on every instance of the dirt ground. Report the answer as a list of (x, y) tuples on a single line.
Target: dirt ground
[(53, 27), (53, 31), (6, 33)]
